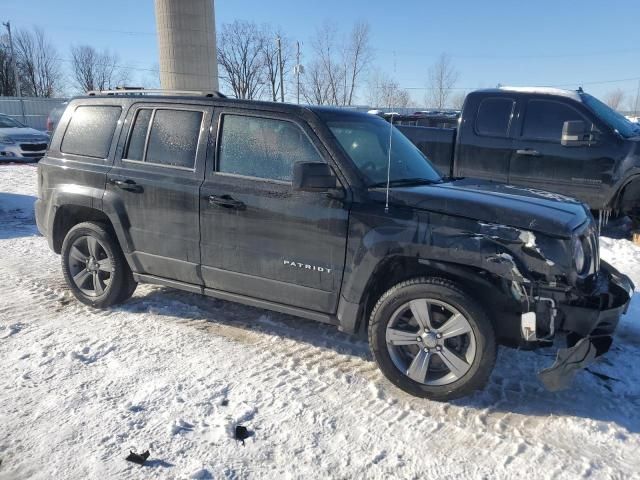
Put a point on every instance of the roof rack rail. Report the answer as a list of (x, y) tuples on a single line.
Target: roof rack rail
[(156, 91)]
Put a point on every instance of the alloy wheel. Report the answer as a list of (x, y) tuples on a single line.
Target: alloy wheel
[(90, 266), (431, 342)]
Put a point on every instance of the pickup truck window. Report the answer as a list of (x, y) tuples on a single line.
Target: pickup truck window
[(544, 119), (263, 147), (365, 140), (494, 117), (90, 131)]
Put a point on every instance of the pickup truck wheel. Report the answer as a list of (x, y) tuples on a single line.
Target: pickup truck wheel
[(432, 340), (94, 266)]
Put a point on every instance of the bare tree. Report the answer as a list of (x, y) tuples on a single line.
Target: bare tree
[(317, 88), (38, 63), (442, 78), (7, 78), (339, 63), (384, 92), (358, 57), (93, 70), (614, 98), (240, 54), (328, 55), (272, 62), (633, 103), (457, 101)]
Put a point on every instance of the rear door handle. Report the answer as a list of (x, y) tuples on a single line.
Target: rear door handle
[(226, 201), (127, 184), (529, 152)]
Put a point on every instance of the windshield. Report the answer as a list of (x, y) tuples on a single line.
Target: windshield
[(8, 122), (366, 141), (615, 120)]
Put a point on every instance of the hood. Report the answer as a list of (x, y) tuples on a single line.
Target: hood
[(25, 134), (520, 207)]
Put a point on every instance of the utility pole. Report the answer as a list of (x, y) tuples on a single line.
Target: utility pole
[(637, 98), (15, 69), (298, 69), (280, 68)]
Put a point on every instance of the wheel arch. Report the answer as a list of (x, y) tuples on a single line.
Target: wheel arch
[(488, 289), (69, 215)]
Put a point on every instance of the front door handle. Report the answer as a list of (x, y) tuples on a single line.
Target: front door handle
[(528, 152), (127, 184), (226, 201)]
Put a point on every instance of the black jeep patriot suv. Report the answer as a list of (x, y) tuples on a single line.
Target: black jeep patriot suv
[(330, 215)]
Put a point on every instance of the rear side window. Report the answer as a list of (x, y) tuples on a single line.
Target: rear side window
[(135, 149), (171, 139), (494, 117), (90, 131), (544, 119), (263, 147)]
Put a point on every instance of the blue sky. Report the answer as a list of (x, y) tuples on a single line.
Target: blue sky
[(558, 43)]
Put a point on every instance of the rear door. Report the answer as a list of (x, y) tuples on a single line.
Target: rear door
[(485, 141), (259, 237), (541, 161), (153, 187)]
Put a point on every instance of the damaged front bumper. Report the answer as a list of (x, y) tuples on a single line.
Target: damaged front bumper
[(589, 324)]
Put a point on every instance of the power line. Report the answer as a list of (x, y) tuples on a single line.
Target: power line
[(531, 56)]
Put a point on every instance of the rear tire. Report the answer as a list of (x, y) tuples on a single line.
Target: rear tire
[(94, 267), (432, 340)]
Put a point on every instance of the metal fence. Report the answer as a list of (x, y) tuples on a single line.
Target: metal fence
[(32, 111)]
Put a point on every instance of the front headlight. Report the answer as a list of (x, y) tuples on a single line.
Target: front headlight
[(579, 256), (6, 140)]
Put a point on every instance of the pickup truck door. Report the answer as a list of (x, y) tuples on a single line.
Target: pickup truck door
[(485, 145), (153, 189), (259, 238), (541, 161)]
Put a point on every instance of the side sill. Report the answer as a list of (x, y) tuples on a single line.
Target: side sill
[(187, 287), (234, 297), (277, 307)]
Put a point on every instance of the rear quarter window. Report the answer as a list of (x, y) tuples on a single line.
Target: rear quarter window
[(90, 130), (494, 117)]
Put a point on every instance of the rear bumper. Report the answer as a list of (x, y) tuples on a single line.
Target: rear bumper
[(44, 219)]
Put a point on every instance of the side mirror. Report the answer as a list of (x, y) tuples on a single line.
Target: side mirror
[(313, 177), (575, 134)]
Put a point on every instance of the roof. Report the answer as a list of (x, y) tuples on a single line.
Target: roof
[(558, 92)]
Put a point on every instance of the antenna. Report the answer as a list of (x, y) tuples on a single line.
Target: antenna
[(386, 205)]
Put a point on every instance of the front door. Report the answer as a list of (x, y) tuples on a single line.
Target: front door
[(259, 237), (542, 162), (153, 188)]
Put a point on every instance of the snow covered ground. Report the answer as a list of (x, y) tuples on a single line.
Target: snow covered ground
[(174, 373)]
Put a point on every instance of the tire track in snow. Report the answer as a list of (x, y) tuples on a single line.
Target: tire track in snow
[(300, 365)]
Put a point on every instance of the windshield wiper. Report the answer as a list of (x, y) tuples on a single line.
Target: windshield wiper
[(403, 182)]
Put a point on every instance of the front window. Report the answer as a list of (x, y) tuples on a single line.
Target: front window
[(544, 120), (366, 141), (8, 122), (615, 120)]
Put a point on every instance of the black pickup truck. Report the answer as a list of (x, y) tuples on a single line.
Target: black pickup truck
[(286, 207), (562, 141)]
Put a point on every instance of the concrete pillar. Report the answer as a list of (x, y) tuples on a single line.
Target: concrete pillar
[(187, 44)]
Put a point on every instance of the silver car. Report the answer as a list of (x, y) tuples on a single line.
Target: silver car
[(19, 143)]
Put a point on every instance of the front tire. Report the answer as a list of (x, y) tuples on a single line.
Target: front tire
[(94, 267), (432, 340)]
